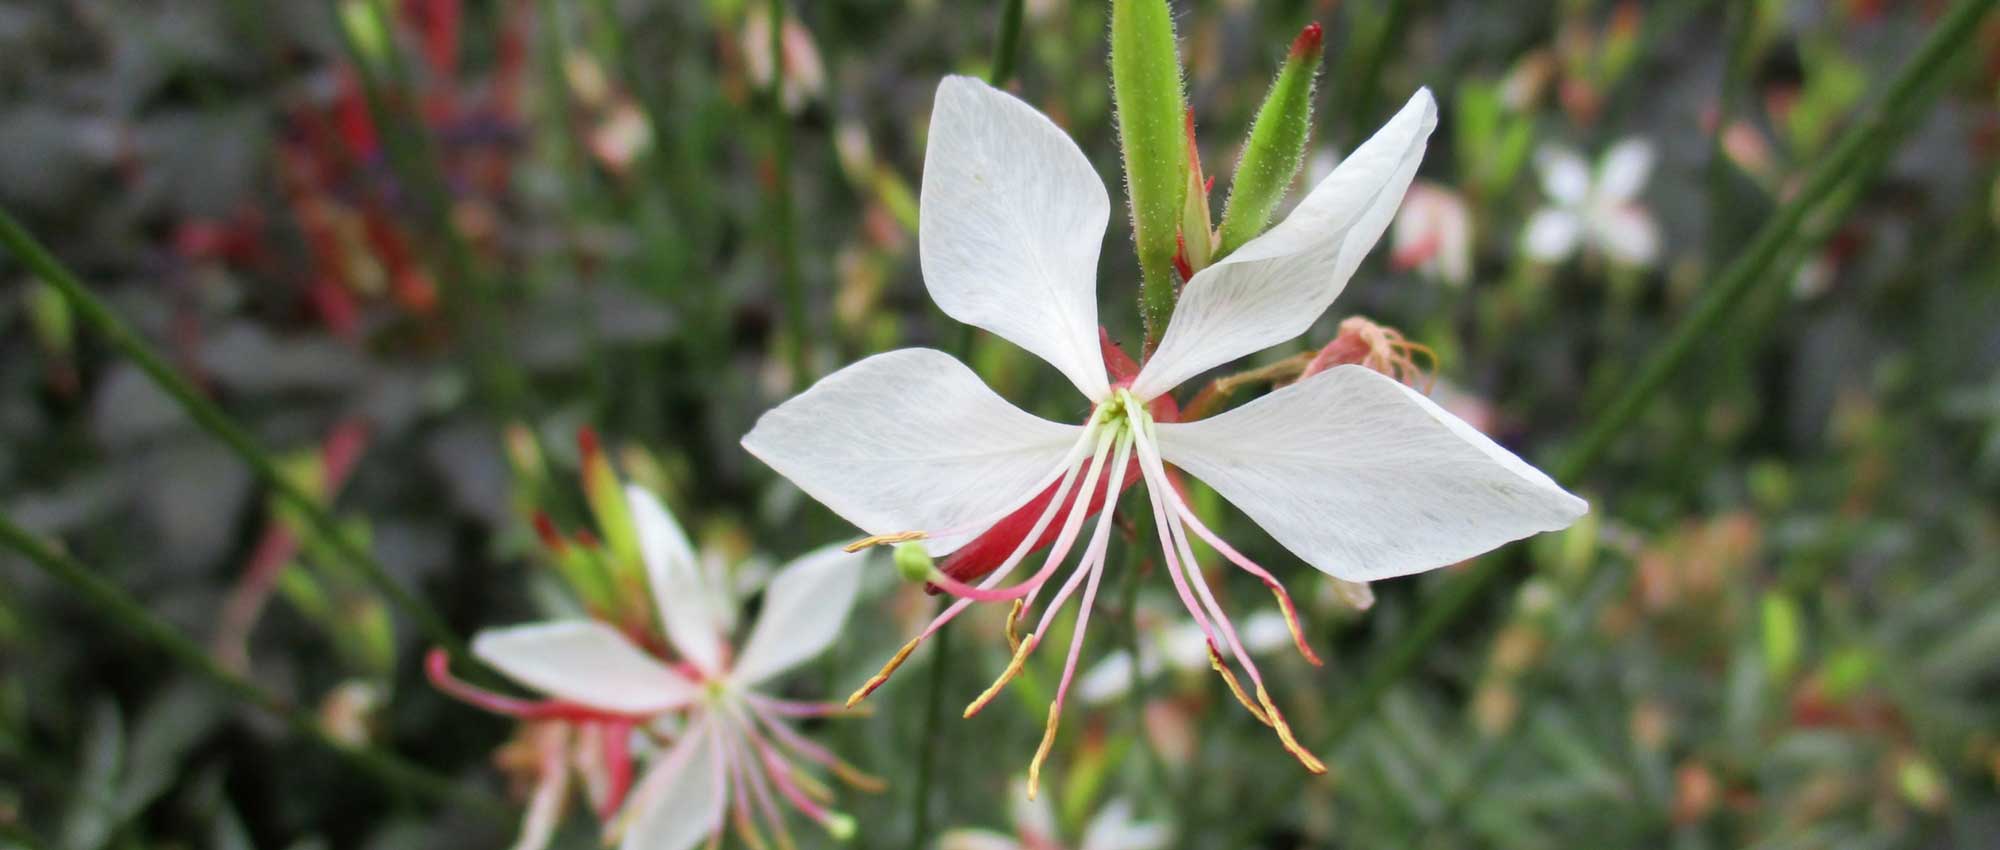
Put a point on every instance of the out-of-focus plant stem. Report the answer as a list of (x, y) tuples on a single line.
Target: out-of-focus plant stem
[(120, 606), (417, 167), (783, 231), (1860, 152), (920, 802), (1007, 47), (1361, 73), (39, 262)]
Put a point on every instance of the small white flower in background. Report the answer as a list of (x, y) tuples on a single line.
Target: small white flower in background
[(1035, 829), (805, 76), (1596, 210), (732, 747), (1182, 646), (1433, 234), (1353, 472)]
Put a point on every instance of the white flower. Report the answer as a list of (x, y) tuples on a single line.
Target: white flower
[(1433, 234), (1035, 829), (732, 746), (1354, 473), (1599, 211)]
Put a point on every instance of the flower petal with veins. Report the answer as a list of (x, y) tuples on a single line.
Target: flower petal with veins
[(586, 662), (1365, 479), (1011, 217), (1276, 286), (912, 440), (804, 608)]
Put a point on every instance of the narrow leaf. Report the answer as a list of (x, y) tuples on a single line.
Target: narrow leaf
[(1276, 146)]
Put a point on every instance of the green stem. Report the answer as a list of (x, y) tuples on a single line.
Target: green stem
[(134, 616), (93, 312), (797, 317), (1008, 45), (920, 803), (1859, 154)]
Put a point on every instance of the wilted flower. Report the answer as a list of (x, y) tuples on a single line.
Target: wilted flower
[(1594, 209), (732, 746), (1035, 829), (1433, 234), (1351, 471)]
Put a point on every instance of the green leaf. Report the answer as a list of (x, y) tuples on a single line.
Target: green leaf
[(1276, 147), (1146, 86)]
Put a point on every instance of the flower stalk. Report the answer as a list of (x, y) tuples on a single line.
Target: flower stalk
[(1146, 88)]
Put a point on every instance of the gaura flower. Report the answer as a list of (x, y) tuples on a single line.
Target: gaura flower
[(732, 747), (1433, 234), (1113, 828), (1598, 210), (1351, 471)]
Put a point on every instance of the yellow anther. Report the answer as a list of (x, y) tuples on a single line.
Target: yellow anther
[(1235, 687), (1285, 736), (884, 540), (1042, 752), (859, 780), (887, 670), (1293, 623), (1013, 621), (1007, 675)]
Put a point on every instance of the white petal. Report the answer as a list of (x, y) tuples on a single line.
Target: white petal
[(1365, 478), (1565, 176), (804, 607), (1010, 222), (910, 440), (585, 662), (1108, 679), (1624, 170), (1627, 235), (976, 839), (1551, 235), (1034, 819), (1278, 284), (680, 801), (1114, 829), (680, 592)]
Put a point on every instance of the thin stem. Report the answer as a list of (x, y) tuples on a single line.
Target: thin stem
[(927, 755), (1857, 157), (93, 312), (1008, 45), (783, 236), (120, 606)]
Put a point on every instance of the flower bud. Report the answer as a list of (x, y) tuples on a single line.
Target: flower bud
[(913, 561)]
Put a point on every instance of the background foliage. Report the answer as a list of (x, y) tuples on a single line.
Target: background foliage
[(415, 247)]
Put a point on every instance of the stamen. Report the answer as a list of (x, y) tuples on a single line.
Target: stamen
[(806, 749), (1285, 736), (1014, 621), (1094, 562), (1057, 552), (1042, 752), (1215, 541), (886, 671), (1007, 675), (884, 540), (1235, 687)]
